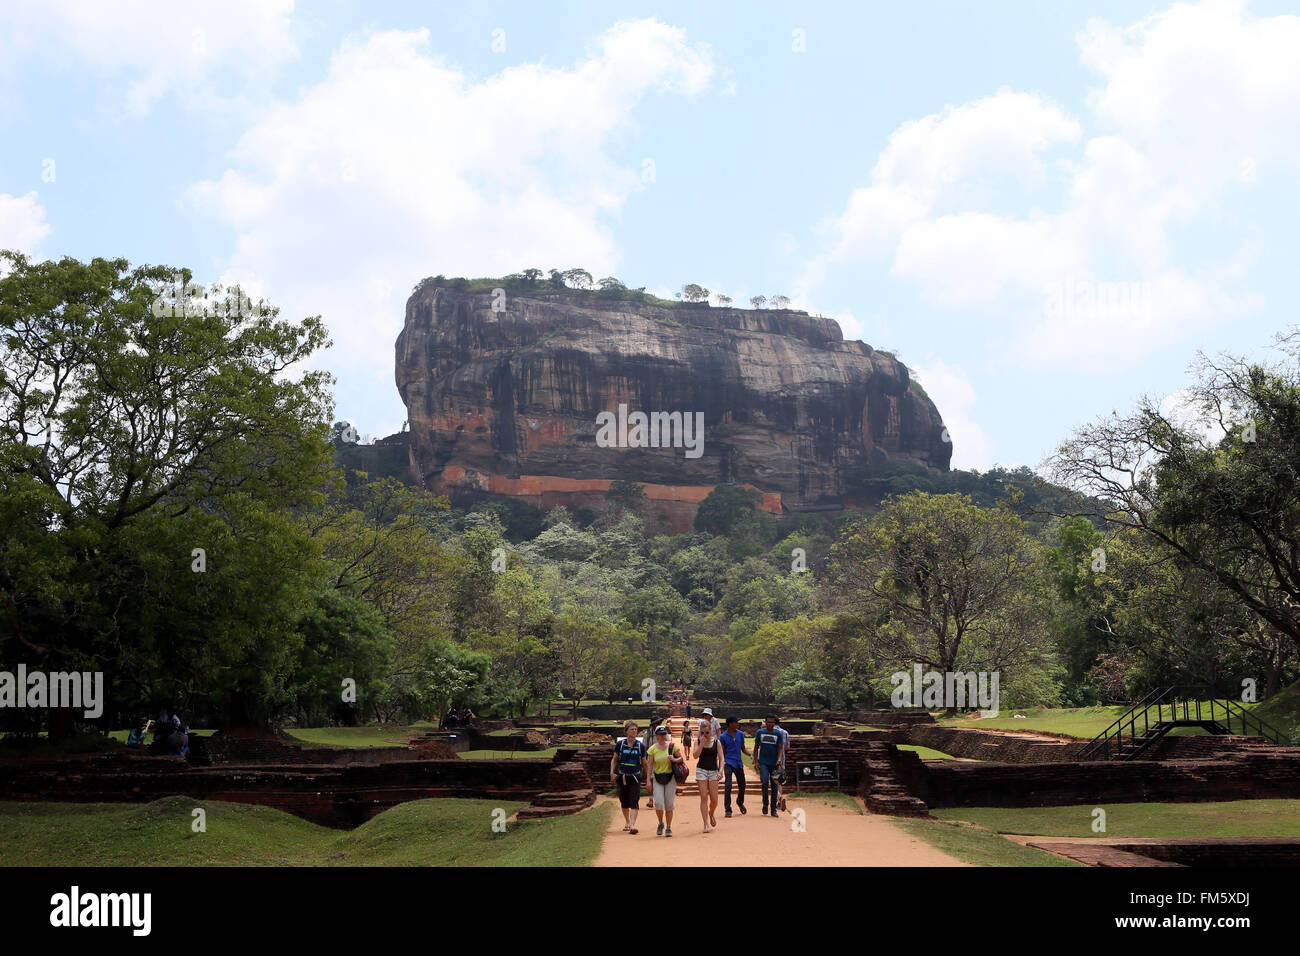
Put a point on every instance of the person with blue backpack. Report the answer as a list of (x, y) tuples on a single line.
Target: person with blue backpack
[(770, 743), (629, 769)]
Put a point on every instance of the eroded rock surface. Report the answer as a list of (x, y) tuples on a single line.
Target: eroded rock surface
[(507, 402)]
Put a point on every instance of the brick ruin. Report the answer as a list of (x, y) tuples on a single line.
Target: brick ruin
[(342, 789), (345, 787)]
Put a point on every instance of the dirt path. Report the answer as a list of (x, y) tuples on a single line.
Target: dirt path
[(834, 835)]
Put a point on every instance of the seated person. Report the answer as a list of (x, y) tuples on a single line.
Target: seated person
[(136, 737)]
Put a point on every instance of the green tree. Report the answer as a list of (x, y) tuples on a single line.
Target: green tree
[(946, 584), (723, 507), (135, 429), (343, 639), (1227, 502), (627, 495), (582, 647), (577, 278)]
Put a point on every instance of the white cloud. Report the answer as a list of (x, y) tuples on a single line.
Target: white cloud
[(1200, 89), (397, 165), (954, 396), (1194, 102), (22, 222), (154, 47), (929, 163)]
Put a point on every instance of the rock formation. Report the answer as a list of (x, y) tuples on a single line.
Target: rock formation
[(508, 402)]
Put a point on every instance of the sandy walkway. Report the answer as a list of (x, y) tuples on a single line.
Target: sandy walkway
[(835, 836)]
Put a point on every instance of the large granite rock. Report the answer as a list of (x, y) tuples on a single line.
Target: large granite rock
[(506, 402)]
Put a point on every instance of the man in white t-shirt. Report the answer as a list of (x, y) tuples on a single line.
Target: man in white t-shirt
[(707, 717)]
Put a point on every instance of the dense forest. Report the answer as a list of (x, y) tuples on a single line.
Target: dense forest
[(174, 517)]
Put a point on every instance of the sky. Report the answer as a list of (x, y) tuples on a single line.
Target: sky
[(1045, 209)]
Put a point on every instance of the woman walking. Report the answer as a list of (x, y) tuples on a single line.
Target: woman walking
[(663, 755), (708, 771), (627, 768)]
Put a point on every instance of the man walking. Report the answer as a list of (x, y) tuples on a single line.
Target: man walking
[(769, 760), (714, 726), (733, 754)]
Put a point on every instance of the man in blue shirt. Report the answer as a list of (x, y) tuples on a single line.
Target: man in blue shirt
[(733, 754), (769, 755)]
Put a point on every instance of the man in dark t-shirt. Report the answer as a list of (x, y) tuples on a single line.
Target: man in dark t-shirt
[(769, 755)]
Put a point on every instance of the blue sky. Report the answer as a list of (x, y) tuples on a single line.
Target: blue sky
[(1045, 209)]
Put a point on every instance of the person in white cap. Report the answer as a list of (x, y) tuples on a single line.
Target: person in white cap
[(706, 717)]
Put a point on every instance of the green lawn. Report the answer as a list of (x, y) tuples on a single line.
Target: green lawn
[(367, 735), (1084, 722), (546, 754), (1236, 818), (973, 844), (926, 753), (443, 832), (1282, 711)]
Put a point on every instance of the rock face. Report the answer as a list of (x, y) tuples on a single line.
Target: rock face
[(507, 402)]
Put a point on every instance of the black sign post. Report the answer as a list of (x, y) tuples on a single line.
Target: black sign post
[(821, 772)]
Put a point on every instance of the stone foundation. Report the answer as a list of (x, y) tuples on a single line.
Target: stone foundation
[(336, 795)]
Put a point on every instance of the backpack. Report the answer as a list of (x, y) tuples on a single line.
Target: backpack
[(680, 770), (626, 746)]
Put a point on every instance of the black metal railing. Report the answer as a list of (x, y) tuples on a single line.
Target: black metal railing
[(1135, 730)]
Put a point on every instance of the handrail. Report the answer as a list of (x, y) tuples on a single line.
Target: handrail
[(1266, 730), (1180, 696), (1117, 728)]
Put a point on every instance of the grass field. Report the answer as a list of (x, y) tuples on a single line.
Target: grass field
[(1084, 722), (368, 735), (927, 753), (973, 844), (546, 754), (1236, 818), (444, 832), (1282, 711)]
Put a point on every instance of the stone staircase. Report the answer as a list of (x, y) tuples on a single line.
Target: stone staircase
[(886, 792), (568, 790), (677, 726)]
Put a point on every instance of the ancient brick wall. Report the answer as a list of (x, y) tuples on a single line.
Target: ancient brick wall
[(339, 796), (991, 745), (1238, 777)]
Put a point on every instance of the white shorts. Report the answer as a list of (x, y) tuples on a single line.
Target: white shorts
[(707, 774)]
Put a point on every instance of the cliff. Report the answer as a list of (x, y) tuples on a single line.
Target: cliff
[(509, 401)]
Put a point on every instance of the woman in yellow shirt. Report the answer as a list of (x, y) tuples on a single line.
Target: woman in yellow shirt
[(661, 756)]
